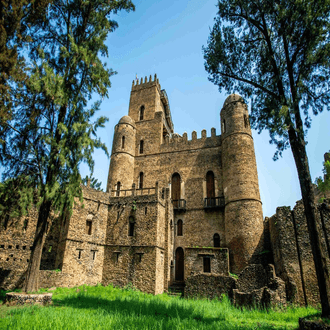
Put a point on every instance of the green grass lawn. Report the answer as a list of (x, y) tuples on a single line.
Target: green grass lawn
[(112, 308)]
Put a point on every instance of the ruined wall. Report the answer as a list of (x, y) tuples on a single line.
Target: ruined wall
[(292, 251)]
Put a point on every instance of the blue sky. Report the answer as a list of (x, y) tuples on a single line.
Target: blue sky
[(166, 38)]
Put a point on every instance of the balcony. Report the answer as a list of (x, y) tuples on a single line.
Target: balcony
[(214, 202), (179, 204)]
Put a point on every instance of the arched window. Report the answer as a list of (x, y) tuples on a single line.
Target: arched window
[(216, 240), (131, 225), (142, 112), (141, 146), (118, 188), (123, 142), (210, 189), (176, 189), (180, 227), (141, 180)]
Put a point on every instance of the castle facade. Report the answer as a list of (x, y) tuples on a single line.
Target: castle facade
[(175, 209)]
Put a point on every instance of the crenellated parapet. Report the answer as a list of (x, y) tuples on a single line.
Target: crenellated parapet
[(178, 142), (146, 83)]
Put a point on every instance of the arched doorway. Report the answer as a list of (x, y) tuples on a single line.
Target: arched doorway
[(176, 189), (179, 264)]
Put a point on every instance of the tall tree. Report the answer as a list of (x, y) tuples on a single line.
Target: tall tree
[(15, 17), (276, 52), (52, 129)]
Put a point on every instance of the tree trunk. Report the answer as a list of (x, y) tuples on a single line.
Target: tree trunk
[(307, 192), (32, 274)]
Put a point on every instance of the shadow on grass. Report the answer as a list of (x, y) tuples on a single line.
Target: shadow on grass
[(137, 308)]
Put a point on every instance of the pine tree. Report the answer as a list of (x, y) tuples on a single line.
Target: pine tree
[(15, 18), (53, 127), (277, 54)]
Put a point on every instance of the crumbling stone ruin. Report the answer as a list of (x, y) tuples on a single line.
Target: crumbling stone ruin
[(177, 211)]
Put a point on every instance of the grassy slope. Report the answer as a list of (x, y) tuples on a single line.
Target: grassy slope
[(111, 308)]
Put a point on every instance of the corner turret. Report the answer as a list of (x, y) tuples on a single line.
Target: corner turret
[(121, 169), (243, 209)]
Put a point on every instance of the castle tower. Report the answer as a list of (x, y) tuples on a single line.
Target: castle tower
[(121, 169), (243, 208), (149, 108)]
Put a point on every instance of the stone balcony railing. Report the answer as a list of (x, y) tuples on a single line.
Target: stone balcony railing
[(214, 202), (179, 204)]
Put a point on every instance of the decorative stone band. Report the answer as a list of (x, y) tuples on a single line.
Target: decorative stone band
[(243, 199), (122, 152), (235, 133)]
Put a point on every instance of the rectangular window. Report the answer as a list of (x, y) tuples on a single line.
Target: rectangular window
[(89, 227), (79, 254), (207, 264), (93, 254)]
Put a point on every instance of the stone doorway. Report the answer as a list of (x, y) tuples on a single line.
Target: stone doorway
[(179, 264)]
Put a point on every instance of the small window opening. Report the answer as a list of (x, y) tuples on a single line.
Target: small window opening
[(93, 254), (79, 254), (224, 126), (11, 255), (31, 248), (145, 210), (118, 214), (123, 142), (24, 247), (246, 121), (27, 260), (9, 246), (131, 226), (7, 259), (179, 227), (141, 180), (216, 240), (17, 247), (141, 146), (118, 189), (142, 112), (117, 256), (89, 227), (207, 264), (25, 224), (2, 246)]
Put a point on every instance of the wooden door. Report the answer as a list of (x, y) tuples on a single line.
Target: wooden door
[(176, 189), (210, 191), (179, 264)]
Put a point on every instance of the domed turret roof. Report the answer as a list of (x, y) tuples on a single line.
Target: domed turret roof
[(127, 120), (233, 98)]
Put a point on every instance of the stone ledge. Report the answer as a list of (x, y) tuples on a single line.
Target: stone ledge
[(305, 324), (18, 298)]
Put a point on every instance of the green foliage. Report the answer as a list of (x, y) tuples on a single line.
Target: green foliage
[(93, 182), (53, 128), (113, 308), (275, 53), (324, 184), (233, 275), (134, 208)]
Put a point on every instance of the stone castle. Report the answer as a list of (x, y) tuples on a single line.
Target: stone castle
[(176, 211)]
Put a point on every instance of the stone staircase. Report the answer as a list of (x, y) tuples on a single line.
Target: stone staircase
[(176, 289)]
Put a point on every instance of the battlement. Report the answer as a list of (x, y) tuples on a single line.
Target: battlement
[(178, 142), (145, 83)]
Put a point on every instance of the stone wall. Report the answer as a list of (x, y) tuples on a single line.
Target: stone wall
[(209, 286), (219, 261), (292, 253)]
